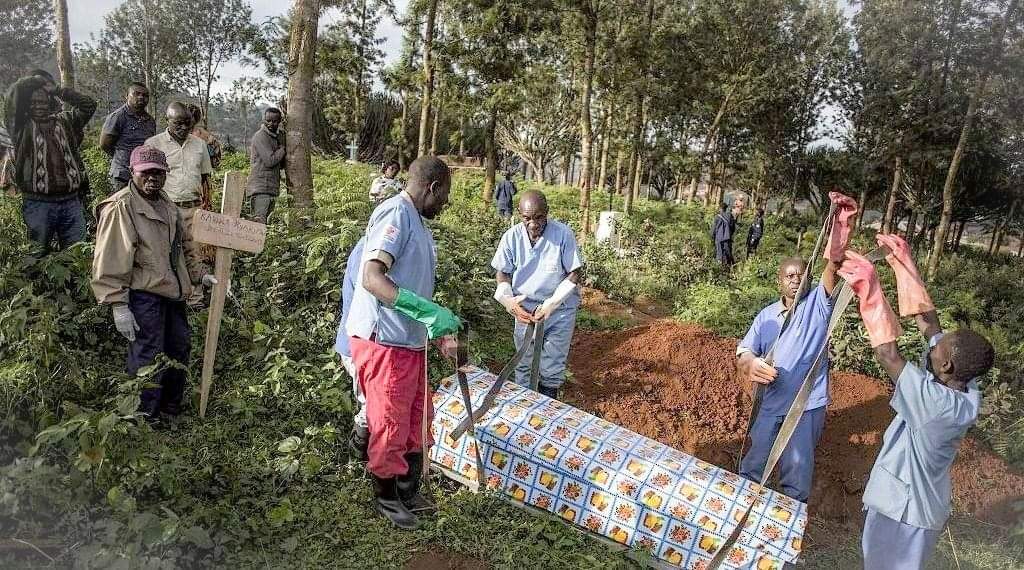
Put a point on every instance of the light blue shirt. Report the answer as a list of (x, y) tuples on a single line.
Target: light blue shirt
[(910, 480), (396, 228), (537, 269), (348, 288), (795, 352)]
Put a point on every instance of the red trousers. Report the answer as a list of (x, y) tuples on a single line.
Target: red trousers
[(392, 379)]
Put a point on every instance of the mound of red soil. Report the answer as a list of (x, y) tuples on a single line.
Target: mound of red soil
[(675, 383)]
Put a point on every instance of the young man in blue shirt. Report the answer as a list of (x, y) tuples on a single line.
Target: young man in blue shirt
[(794, 353), (390, 321), (907, 498), (538, 265)]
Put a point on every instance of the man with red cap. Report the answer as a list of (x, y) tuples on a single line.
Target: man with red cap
[(140, 269)]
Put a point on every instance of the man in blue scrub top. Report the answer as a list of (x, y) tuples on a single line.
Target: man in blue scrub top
[(360, 437), (795, 352), (908, 494), (538, 265)]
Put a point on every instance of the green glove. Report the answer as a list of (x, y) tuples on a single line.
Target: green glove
[(439, 320)]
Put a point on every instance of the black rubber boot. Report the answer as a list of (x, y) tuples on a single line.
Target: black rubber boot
[(549, 392), (388, 504), (409, 485), (359, 442)]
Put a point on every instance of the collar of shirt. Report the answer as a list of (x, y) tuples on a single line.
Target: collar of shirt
[(266, 130), (128, 111)]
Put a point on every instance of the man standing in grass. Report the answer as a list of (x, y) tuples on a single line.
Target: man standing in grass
[(127, 127), (721, 233), (538, 265), (266, 159), (779, 360), (503, 195), (907, 498), (390, 321)]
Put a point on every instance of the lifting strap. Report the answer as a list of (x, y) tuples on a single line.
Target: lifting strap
[(840, 299), (534, 336), (461, 361)]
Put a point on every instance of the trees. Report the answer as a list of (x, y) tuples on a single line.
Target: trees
[(24, 37), (428, 76), (210, 33), (64, 64)]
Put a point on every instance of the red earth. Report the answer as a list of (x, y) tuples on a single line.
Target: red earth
[(674, 382)]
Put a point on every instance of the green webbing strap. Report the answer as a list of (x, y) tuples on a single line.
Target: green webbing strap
[(841, 298)]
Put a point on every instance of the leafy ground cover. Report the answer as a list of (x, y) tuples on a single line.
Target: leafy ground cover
[(265, 479)]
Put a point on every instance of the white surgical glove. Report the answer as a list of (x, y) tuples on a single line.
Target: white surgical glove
[(124, 321), (503, 295), (562, 292), (209, 281)]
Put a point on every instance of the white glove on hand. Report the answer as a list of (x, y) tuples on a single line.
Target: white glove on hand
[(124, 321), (562, 292), (503, 295), (209, 281)]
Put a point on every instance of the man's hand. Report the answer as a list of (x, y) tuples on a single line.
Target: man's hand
[(512, 304), (449, 346), (839, 237), (209, 281), (910, 289), (756, 369), (124, 321)]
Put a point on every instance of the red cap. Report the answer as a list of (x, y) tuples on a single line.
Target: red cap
[(146, 157)]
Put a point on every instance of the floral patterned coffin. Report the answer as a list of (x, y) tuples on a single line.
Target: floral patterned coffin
[(611, 481)]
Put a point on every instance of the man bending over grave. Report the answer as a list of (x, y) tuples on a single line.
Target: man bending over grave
[(781, 371), (907, 498), (538, 265), (141, 270), (389, 322)]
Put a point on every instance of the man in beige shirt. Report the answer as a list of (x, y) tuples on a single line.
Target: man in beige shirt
[(188, 180), (140, 269)]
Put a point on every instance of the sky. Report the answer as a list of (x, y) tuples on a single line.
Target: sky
[(85, 20)]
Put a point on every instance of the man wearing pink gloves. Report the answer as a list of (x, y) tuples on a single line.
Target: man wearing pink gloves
[(907, 498), (780, 359)]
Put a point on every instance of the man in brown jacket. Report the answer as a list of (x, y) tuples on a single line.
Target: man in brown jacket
[(266, 159), (140, 269)]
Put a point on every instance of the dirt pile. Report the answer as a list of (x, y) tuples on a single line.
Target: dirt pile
[(674, 382)]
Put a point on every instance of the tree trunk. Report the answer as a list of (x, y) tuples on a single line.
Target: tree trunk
[(606, 140), (995, 56), (620, 156), (1020, 246), (563, 178), (890, 206), (462, 138), (428, 77), (911, 226), (64, 62), (402, 163), (437, 122), (712, 131), (299, 139), (491, 158), (992, 240), (1005, 225), (589, 15), (861, 200)]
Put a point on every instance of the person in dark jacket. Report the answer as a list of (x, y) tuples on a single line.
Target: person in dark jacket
[(267, 158), (48, 168), (721, 232), (503, 195), (755, 232)]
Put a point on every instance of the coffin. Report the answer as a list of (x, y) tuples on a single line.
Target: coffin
[(611, 481)]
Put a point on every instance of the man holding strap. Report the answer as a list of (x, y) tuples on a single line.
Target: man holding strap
[(390, 321), (907, 498), (795, 349), (538, 265)]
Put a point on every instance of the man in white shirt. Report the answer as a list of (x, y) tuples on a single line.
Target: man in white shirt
[(188, 181)]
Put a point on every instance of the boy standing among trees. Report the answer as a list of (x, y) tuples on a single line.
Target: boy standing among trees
[(907, 498), (390, 321)]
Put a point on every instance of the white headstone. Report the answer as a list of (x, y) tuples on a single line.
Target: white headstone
[(607, 228)]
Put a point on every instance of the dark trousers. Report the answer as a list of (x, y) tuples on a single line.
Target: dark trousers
[(262, 206), (163, 328), (752, 247), (723, 252), (63, 220)]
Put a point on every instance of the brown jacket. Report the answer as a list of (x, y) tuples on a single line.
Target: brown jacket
[(140, 245)]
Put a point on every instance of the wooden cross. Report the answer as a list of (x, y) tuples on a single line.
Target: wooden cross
[(228, 232)]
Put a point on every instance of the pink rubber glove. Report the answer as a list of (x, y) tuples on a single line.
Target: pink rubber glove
[(839, 237), (910, 289), (881, 322)]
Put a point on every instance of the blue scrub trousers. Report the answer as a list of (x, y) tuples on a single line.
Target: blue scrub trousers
[(163, 328), (63, 220), (796, 466), (558, 329), (893, 545)]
